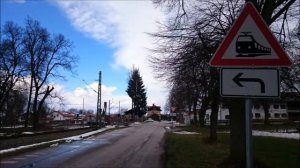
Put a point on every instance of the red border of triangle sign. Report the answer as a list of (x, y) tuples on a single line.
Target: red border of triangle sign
[(281, 59)]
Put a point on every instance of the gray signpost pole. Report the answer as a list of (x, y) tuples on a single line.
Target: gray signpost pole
[(248, 127)]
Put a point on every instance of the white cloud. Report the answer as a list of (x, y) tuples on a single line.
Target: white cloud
[(86, 97), (123, 25)]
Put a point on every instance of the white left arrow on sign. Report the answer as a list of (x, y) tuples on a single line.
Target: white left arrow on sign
[(236, 82)]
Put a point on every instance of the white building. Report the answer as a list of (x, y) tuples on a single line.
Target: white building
[(285, 108), (62, 116), (278, 111)]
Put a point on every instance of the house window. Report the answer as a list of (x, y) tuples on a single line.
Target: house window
[(227, 117), (282, 106), (276, 106), (257, 115), (276, 115), (256, 106), (284, 115)]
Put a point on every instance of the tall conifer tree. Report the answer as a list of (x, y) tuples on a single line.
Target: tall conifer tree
[(137, 92)]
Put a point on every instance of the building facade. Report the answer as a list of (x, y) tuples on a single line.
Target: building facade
[(153, 112), (287, 108)]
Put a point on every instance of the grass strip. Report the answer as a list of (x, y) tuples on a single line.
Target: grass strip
[(194, 151)]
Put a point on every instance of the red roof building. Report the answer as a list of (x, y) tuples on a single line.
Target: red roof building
[(154, 112)]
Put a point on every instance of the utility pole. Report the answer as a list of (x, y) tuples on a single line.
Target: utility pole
[(98, 116), (108, 112), (119, 108), (83, 105), (119, 116)]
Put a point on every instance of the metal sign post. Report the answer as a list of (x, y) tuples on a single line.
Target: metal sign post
[(248, 131)]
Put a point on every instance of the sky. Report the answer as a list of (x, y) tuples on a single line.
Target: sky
[(107, 36)]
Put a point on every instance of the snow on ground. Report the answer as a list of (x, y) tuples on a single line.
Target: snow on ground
[(276, 134), (28, 133), (4, 151), (68, 140), (85, 135), (185, 132), (272, 134)]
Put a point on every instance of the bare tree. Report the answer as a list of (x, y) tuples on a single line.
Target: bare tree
[(11, 63), (188, 46), (213, 19), (45, 56)]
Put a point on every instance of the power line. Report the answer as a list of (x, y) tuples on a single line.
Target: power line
[(89, 86)]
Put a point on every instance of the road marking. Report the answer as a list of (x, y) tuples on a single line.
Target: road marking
[(22, 158)]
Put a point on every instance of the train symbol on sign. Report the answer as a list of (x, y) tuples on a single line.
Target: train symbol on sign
[(247, 46)]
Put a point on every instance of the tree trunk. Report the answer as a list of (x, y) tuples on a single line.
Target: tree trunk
[(28, 105), (202, 111), (237, 131), (35, 111), (195, 112), (190, 112), (214, 119), (214, 113)]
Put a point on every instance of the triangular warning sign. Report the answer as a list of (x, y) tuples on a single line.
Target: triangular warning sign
[(250, 43)]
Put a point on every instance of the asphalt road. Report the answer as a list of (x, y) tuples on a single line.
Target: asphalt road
[(138, 146)]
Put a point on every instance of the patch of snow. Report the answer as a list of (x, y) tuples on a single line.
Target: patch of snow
[(276, 134), (185, 133), (223, 132), (271, 134), (85, 135), (27, 146), (28, 133), (79, 137), (16, 126), (68, 140), (54, 145)]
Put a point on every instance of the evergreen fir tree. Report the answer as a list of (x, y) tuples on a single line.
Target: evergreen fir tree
[(137, 92)]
